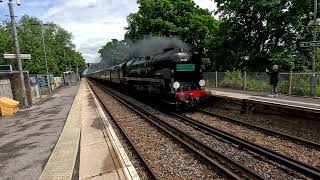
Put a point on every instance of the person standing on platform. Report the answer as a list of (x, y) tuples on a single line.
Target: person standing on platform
[(274, 78)]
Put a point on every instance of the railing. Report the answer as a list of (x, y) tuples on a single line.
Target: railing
[(289, 83)]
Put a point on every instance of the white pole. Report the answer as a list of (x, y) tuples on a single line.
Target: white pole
[(290, 83), (216, 79)]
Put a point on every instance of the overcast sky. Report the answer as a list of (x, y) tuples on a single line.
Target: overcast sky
[(92, 22)]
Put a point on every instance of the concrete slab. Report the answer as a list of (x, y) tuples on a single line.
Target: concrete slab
[(108, 176), (91, 139), (63, 158), (94, 160), (28, 138), (101, 159), (303, 103), (91, 125)]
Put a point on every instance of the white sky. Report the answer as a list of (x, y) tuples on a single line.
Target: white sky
[(92, 22)]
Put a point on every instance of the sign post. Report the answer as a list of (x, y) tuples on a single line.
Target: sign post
[(14, 56), (310, 44)]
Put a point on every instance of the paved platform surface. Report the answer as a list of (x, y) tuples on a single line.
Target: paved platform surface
[(101, 154), (62, 161), (28, 138), (303, 103)]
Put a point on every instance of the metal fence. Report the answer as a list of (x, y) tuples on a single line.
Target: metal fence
[(289, 83)]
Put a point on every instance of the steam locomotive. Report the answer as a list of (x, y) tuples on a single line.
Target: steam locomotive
[(174, 76)]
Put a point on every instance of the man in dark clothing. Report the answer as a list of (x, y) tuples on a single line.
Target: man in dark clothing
[(274, 78)]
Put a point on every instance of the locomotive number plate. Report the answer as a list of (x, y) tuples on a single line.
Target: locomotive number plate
[(185, 67)]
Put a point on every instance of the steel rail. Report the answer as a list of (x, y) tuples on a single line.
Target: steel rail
[(276, 157), (267, 131), (152, 172), (228, 166)]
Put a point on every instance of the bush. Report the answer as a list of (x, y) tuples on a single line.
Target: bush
[(256, 83), (232, 80), (236, 80)]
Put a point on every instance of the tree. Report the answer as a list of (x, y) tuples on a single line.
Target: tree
[(57, 41), (254, 31), (167, 18), (114, 53)]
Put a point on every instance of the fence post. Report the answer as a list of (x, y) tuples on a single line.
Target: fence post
[(216, 79), (290, 83), (245, 80)]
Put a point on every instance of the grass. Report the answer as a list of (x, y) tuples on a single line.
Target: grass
[(260, 82)]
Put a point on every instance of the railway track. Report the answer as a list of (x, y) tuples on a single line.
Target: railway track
[(295, 165), (264, 130), (152, 172), (228, 167)]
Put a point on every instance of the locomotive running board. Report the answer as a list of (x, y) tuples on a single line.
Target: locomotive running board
[(144, 79), (165, 101)]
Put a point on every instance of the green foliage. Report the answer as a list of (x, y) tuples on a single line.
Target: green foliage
[(181, 18), (318, 60), (60, 50), (257, 83), (235, 80), (113, 53), (251, 34), (232, 80), (301, 85), (260, 82), (253, 31)]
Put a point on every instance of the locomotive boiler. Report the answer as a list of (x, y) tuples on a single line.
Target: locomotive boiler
[(173, 76)]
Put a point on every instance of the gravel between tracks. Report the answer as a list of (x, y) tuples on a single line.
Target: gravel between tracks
[(251, 160), (297, 127), (168, 159), (296, 151)]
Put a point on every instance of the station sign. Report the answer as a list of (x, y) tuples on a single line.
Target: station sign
[(310, 44), (13, 56), (43, 81), (5, 68)]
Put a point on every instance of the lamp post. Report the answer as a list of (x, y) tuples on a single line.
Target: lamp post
[(45, 53), (17, 49), (45, 56)]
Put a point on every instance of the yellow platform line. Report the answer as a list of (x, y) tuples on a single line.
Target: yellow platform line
[(62, 160)]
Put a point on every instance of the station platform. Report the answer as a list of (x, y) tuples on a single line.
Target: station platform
[(291, 102), (28, 137), (87, 129), (65, 136)]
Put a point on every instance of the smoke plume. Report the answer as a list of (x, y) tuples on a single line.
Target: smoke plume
[(124, 51), (153, 45)]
